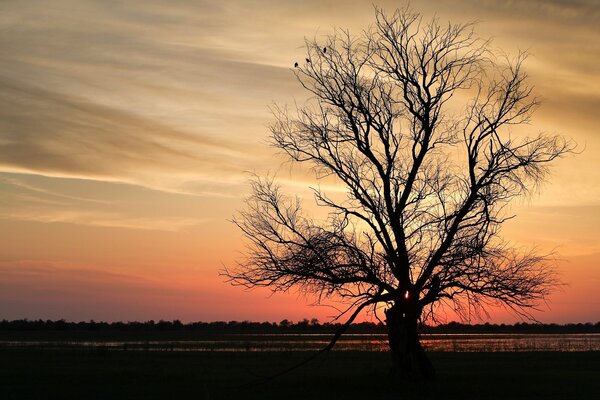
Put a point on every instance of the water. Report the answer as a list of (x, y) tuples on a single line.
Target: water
[(312, 342)]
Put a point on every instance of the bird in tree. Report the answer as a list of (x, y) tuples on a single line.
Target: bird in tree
[(415, 120)]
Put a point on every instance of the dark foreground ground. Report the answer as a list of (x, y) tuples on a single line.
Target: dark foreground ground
[(118, 374)]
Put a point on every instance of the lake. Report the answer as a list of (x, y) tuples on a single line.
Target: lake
[(350, 342)]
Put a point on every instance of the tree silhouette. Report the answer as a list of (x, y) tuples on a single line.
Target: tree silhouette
[(414, 118)]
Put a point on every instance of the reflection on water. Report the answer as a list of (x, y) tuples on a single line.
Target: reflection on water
[(361, 342)]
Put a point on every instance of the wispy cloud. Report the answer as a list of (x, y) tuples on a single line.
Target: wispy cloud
[(53, 200), (54, 134), (103, 219), (148, 95), (176, 95)]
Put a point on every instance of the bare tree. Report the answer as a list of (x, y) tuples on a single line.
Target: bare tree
[(414, 119)]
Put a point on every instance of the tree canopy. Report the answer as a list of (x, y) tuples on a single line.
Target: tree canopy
[(414, 119)]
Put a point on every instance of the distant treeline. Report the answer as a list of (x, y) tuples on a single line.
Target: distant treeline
[(285, 326)]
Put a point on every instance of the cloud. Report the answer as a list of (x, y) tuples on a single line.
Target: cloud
[(174, 97), (560, 9), (96, 203), (57, 134), (169, 94), (30, 268), (142, 95), (103, 219)]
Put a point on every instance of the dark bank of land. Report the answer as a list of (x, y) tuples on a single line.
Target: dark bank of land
[(109, 374), (176, 330), (55, 369)]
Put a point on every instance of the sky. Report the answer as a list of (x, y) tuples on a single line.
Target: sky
[(128, 131)]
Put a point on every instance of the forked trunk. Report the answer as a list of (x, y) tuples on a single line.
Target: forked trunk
[(408, 357)]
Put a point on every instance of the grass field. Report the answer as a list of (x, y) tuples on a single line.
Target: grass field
[(116, 374)]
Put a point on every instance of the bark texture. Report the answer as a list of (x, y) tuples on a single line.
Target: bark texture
[(408, 356)]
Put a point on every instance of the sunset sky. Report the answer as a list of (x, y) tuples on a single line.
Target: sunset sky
[(128, 131)]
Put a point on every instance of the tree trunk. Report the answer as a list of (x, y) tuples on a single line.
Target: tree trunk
[(408, 357)]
